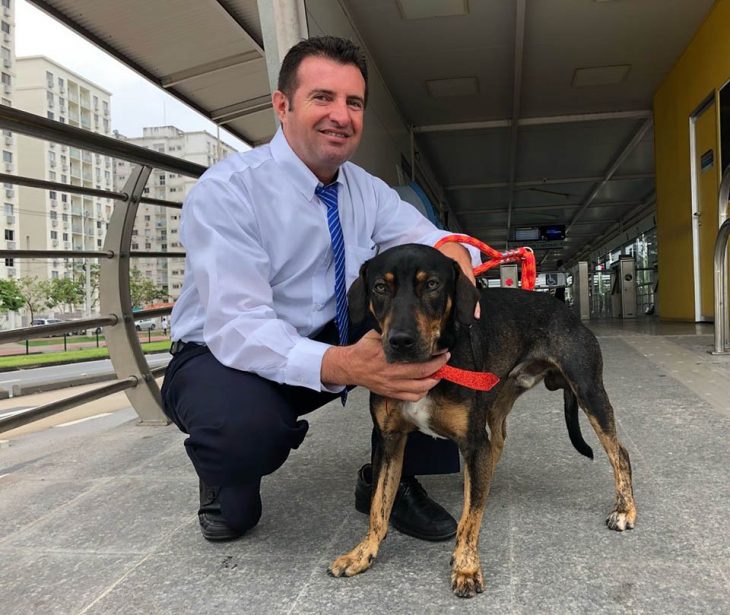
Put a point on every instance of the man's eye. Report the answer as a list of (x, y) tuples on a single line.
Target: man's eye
[(380, 288), (432, 284)]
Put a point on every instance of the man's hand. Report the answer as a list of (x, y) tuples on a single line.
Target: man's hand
[(364, 364), (461, 255)]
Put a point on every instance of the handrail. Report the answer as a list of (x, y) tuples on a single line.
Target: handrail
[(37, 126), (722, 320), (54, 407), (135, 376)]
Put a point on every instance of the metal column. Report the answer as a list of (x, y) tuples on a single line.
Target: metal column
[(283, 25), (722, 321)]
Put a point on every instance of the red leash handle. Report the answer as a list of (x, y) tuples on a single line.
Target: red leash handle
[(524, 255)]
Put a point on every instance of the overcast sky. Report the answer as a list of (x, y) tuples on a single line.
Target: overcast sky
[(136, 102)]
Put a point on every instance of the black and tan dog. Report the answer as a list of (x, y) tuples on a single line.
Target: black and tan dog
[(423, 304)]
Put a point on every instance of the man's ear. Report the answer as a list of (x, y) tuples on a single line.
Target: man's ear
[(280, 103), (465, 297), (357, 297)]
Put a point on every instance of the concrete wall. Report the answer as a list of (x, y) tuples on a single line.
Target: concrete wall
[(702, 69)]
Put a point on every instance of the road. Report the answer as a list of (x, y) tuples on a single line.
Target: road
[(57, 373)]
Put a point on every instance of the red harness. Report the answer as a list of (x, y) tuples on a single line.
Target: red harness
[(484, 381)]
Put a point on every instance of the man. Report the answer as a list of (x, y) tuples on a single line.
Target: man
[(255, 344)]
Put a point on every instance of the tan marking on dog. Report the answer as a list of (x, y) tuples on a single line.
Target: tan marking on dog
[(624, 514), (389, 277), (428, 330), (451, 420), (361, 557)]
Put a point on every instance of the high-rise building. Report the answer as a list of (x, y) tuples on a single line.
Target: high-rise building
[(10, 220), (157, 227), (50, 219)]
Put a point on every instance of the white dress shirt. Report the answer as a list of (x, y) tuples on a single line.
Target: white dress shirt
[(259, 274)]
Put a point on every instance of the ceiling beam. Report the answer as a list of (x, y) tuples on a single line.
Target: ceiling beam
[(549, 182), (209, 68), (548, 206), (239, 109), (535, 121), (630, 146)]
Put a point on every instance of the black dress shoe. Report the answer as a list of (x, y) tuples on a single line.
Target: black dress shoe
[(212, 525), (414, 513)]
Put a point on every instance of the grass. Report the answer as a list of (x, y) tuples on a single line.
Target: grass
[(71, 356)]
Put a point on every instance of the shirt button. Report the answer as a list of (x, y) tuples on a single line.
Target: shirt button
[(317, 306)]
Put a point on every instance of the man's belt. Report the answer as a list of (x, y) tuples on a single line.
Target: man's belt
[(178, 346)]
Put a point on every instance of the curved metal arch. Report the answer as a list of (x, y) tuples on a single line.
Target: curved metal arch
[(125, 351)]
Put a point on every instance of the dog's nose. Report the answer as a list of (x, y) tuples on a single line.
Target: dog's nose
[(400, 340)]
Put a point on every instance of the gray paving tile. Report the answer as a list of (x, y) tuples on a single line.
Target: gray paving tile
[(124, 515), (60, 583), (205, 584), (24, 501)]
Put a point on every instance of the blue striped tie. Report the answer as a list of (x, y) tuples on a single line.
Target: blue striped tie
[(328, 195)]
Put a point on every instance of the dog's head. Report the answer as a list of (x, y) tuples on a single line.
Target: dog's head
[(416, 295)]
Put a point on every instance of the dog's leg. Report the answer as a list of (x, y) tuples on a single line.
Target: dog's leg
[(497, 419), (387, 467), (595, 403), (466, 571)]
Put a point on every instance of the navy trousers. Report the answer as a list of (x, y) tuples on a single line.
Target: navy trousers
[(242, 427)]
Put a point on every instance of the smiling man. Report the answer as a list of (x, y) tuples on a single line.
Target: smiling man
[(273, 237)]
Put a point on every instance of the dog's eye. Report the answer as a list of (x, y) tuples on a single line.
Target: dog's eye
[(380, 288), (432, 284)]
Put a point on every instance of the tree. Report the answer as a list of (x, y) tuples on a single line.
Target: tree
[(35, 293), (65, 291), (11, 299), (142, 290)]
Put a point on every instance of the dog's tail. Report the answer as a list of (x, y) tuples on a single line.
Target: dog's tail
[(571, 422)]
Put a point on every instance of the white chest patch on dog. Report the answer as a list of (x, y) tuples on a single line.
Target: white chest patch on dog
[(419, 413)]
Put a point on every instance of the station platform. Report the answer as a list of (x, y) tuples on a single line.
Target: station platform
[(98, 516)]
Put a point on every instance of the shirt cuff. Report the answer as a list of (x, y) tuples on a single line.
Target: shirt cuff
[(304, 366)]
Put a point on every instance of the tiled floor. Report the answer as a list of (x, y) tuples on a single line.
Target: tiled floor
[(100, 517)]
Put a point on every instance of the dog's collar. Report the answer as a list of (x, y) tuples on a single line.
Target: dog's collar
[(481, 381)]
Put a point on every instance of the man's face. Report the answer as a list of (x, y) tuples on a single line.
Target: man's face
[(323, 120)]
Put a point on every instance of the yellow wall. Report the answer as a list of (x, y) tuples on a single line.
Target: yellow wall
[(703, 68)]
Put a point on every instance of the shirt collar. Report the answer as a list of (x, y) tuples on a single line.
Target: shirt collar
[(298, 172)]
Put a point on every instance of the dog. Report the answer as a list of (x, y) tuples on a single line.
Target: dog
[(422, 304)]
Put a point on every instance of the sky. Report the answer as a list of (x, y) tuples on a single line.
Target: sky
[(135, 102)]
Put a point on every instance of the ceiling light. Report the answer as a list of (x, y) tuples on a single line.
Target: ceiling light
[(460, 86), (600, 75), (423, 9)]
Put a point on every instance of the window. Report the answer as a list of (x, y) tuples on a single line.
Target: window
[(64, 198), (9, 209), (54, 234), (52, 176), (60, 83), (9, 234), (6, 4), (50, 115), (5, 27), (7, 156), (65, 236), (9, 262), (96, 102), (49, 78), (6, 55), (6, 79), (54, 214), (105, 105)]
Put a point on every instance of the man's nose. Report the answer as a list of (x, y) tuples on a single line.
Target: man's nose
[(339, 113)]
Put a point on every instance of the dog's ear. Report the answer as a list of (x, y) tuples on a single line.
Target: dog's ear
[(465, 297), (357, 296)]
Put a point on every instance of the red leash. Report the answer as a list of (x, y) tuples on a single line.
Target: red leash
[(484, 381), (526, 255)]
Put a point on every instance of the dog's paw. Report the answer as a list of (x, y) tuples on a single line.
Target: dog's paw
[(348, 565), (467, 583), (621, 520)]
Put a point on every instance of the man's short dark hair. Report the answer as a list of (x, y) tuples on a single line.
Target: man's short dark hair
[(333, 48)]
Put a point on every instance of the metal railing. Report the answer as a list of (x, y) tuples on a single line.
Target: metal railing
[(722, 321), (134, 376)]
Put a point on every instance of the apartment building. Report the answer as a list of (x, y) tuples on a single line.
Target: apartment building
[(57, 220), (156, 228), (7, 50)]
